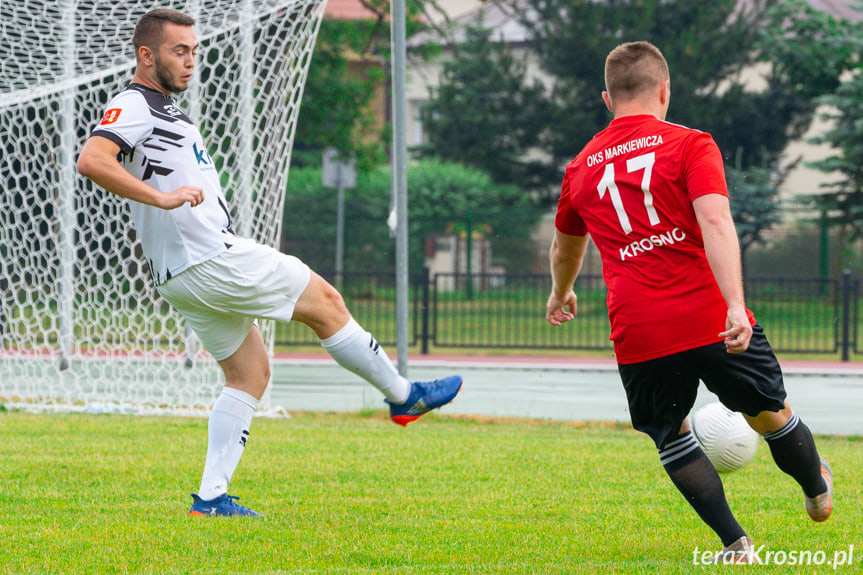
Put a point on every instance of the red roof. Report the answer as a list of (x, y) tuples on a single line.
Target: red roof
[(349, 10)]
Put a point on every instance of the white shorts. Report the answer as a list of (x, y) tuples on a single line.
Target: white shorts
[(222, 297)]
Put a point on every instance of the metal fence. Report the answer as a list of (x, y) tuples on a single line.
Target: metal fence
[(505, 311)]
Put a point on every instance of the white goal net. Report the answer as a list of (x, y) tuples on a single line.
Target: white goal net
[(81, 326)]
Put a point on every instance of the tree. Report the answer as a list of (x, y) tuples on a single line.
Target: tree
[(485, 115), (335, 110), (754, 197), (349, 64), (842, 200), (712, 43)]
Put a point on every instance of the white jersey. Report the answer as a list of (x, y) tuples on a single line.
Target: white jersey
[(161, 146)]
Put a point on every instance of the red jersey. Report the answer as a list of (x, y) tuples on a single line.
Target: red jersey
[(631, 188)]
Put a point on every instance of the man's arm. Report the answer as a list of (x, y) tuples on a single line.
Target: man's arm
[(98, 162), (566, 256), (723, 254)]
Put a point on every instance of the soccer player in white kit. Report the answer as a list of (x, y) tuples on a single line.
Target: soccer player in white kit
[(147, 150)]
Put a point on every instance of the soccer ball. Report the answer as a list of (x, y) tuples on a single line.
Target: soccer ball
[(725, 437)]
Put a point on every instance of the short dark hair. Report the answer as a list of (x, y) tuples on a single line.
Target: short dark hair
[(633, 68), (148, 30)]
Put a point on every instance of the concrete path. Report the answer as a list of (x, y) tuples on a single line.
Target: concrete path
[(828, 396)]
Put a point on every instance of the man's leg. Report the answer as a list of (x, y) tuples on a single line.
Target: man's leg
[(660, 394), (247, 374), (793, 449), (322, 308), (697, 480), (752, 382)]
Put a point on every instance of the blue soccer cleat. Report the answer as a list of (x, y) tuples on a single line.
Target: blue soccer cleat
[(222, 506), (424, 397)]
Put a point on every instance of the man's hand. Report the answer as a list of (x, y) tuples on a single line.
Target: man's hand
[(737, 332), (556, 308), (192, 194), (565, 257), (98, 161)]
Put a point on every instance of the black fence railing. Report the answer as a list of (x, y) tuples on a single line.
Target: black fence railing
[(819, 316), (508, 311)]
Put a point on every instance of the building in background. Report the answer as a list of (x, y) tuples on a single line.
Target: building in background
[(424, 77)]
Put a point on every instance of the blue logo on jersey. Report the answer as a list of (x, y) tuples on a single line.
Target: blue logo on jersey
[(202, 155)]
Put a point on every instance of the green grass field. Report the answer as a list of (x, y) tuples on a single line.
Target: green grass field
[(353, 493)]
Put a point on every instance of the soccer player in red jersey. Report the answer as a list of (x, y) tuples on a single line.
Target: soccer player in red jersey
[(653, 197)]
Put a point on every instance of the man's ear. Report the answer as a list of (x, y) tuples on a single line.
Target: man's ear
[(607, 99), (665, 92), (145, 55)]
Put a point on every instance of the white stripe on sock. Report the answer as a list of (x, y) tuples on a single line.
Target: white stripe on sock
[(789, 426)]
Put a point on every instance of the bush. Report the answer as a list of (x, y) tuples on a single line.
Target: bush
[(441, 197)]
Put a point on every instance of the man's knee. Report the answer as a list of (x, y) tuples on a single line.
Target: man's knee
[(333, 299), (248, 369), (253, 380), (322, 308), (769, 421), (320, 294)]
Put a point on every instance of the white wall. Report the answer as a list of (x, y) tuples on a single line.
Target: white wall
[(456, 8)]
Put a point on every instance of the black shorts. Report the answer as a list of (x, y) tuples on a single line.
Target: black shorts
[(662, 391)]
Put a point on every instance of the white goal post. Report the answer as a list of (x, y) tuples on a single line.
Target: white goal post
[(81, 326)]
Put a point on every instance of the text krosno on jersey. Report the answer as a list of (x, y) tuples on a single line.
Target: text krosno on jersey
[(644, 245)]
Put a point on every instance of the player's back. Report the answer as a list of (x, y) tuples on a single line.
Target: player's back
[(632, 187)]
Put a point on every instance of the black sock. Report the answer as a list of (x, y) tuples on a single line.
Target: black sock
[(794, 452), (697, 479)]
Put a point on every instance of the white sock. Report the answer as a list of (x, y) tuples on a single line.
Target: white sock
[(356, 350), (228, 431)]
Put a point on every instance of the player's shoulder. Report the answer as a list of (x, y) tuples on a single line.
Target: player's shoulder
[(686, 140), (691, 145), (683, 131), (128, 105), (130, 94)]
